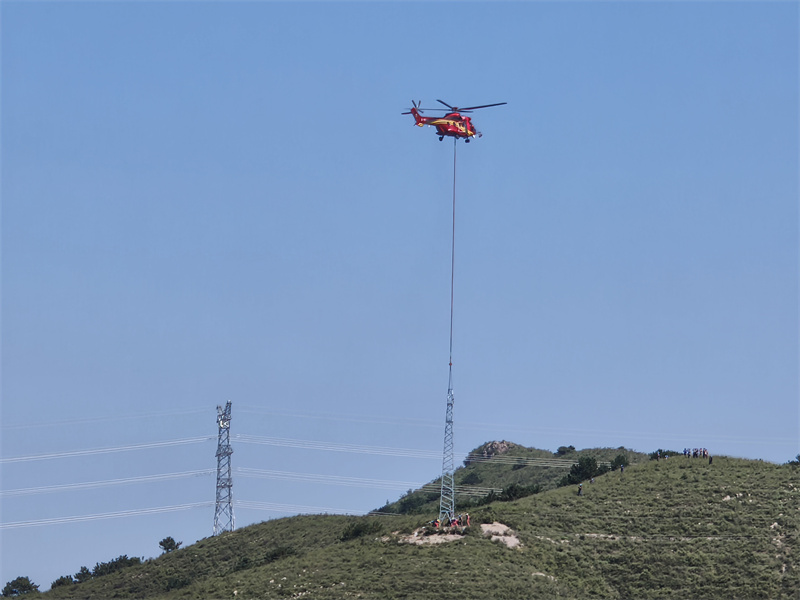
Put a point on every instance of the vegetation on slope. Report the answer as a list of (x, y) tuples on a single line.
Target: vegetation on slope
[(512, 470), (677, 528)]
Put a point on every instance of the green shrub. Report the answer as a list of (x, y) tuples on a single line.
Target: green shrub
[(620, 460), (106, 568), (472, 478), (661, 453), (278, 553), (584, 469), (83, 575), (63, 580), (176, 583), (242, 563), (20, 586), (360, 528)]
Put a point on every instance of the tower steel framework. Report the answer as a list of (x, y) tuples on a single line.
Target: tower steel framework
[(447, 500), (223, 513)]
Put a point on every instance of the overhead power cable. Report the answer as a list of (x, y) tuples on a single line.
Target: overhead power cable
[(335, 447), (108, 482), (331, 479), (400, 452), (149, 415), (100, 516), (93, 451), (707, 438), (360, 481), (377, 419)]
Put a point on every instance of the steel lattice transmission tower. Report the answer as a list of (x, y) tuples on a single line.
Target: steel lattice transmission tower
[(223, 513), (447, 500)]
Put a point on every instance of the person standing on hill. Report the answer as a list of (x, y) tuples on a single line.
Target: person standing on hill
[(580, 489)]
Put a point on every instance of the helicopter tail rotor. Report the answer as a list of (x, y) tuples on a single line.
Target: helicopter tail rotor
[(417, 108)]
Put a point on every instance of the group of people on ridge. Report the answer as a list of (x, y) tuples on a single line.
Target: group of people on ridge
[(695, 452), (452, 521)]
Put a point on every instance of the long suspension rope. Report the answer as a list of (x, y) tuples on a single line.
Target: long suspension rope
[(453, 262), (447, 499)]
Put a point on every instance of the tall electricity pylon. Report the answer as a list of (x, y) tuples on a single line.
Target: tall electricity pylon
[(447, 500), (223, 513)]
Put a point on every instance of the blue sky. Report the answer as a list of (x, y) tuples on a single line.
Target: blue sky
[(220, 201)]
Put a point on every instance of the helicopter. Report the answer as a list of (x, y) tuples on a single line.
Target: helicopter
[(452, 124)]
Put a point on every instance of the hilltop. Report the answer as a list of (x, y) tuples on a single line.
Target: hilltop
[(501, 466), (677, 528)]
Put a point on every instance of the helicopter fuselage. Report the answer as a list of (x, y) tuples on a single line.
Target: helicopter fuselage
[(451, 125)]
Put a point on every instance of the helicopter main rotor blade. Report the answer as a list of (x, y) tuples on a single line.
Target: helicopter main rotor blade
[(453, 108), (419, 108), (481, 106)]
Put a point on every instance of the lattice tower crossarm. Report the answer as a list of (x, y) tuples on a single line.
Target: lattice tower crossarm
[(447, 501), (223, 512)]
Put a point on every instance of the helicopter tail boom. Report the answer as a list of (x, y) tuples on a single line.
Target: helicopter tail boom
[(420, 120)]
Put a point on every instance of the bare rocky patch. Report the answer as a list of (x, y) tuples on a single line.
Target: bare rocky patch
[(501, 533)]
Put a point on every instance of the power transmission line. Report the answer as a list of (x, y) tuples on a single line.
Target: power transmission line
[(108, 482), (336, 447), (399, 452), (430, 423), (381, 420), (147, 446), (150, 415), (359, 481), (100, 516)]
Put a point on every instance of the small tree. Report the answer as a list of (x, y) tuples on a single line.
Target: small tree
[(168, 544), (620, 460), (112, 566), (586, 468), (19, 587), (63, 580), (661, 453), (83, 575)]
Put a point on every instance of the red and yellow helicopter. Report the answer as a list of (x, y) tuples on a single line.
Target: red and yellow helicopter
[(452, 124)]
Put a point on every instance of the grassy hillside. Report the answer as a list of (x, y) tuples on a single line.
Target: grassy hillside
[(500, 465), (679, 528)]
